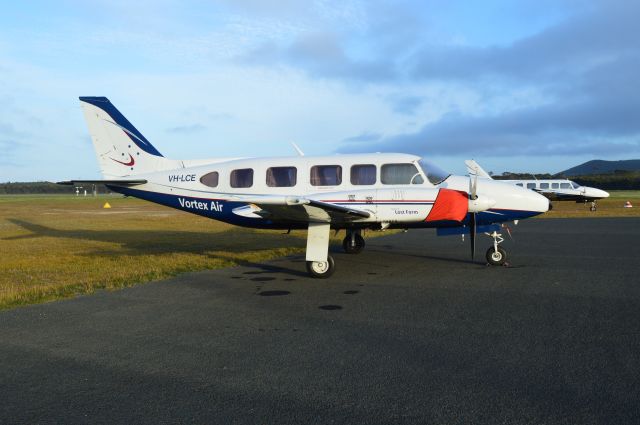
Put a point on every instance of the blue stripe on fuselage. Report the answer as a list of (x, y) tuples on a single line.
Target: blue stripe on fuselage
[(222, 210), (217, 209)]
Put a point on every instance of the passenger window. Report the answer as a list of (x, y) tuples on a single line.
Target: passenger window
[(241, 178), (531, 185), (555, 185), (210, 179), (544, 185), (565, 186), (281, 176), (326, 175), (363, 175), (400, 174)]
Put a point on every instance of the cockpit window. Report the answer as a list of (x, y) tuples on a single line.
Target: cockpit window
[(400, 174), (575, 185), (435, 174)]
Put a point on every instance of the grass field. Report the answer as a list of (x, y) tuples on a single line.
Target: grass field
[(609, 207), (59, 246)]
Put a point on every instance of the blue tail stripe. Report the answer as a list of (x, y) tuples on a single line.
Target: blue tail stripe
[(128, 128)]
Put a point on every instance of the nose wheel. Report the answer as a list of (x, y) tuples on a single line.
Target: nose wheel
[(353, 243), (496, 255)]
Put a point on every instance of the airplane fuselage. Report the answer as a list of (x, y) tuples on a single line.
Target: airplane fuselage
[(367, 182), (561, 189)]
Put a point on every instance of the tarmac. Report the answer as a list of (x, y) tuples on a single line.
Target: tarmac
[(409, 331)]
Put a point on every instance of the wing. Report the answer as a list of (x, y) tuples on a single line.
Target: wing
[(297, 209), (113, 182)]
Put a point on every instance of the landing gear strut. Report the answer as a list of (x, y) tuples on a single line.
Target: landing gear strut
[(353, 243), (496, 255), (319, 262)]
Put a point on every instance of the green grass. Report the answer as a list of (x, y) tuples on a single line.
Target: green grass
[(609, 207), (59, 246), (624, 194)]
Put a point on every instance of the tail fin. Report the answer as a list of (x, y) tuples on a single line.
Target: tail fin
[(120, 148)]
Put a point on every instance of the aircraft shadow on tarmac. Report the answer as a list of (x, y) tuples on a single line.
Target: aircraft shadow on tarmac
[(479, 259), (220, 245), (144, 242)]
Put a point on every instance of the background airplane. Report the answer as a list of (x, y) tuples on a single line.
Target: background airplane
[(554, 189), (318, 193)]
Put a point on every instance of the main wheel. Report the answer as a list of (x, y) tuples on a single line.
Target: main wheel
[(353, 249), (321, 269), (496, 258)]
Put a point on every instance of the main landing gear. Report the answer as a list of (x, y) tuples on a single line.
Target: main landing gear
[(319, 263), (353, 243), (321, 269), (496, 255)]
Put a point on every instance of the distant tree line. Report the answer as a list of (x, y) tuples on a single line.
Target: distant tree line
[(618, 180), (507, 175), (18, 188)]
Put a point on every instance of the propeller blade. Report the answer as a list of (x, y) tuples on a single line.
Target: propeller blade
[(474, 188), (472, 235)]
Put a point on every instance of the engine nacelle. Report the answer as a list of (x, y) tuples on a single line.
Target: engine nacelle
[(481, 203)]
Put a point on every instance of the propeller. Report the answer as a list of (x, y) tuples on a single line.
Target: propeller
[(473, 185)]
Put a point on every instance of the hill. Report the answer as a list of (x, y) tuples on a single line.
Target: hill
[(598, 166)]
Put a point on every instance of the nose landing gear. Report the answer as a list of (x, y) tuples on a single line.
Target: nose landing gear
[(496, 255)]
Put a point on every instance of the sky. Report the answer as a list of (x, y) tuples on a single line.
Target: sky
[(523, 86)]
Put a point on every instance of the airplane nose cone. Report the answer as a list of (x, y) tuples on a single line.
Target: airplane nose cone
[(596, 193), (539, 203)]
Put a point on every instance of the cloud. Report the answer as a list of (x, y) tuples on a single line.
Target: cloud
[(406, 105), (564, 50), (320, 55), (186, 129), (584, 71), (366, 137)]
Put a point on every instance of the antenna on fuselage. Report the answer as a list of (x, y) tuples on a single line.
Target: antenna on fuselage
[(297, 149)]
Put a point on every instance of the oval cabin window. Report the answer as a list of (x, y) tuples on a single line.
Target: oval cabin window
[(210, 179)]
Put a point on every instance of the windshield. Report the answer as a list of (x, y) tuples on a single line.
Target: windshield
[(575, 185), (435, 174)]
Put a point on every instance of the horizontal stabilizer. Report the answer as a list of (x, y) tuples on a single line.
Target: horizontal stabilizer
[(113, 182)]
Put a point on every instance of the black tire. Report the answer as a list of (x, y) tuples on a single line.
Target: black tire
[(357, 249), (321, 269), (496, 258)]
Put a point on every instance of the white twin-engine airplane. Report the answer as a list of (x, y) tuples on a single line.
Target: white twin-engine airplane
[(554, 189), (318, 193)]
